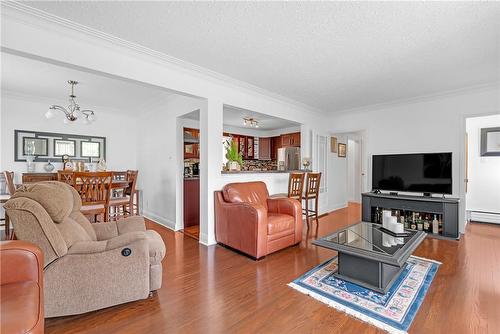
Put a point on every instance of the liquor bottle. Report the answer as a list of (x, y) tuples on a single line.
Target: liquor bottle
[(413, 224), (376, 218), (426, 223), (440, 222), (435, 225)]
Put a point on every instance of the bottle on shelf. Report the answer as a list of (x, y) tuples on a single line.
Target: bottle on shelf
[(435, 225), (440, 223), (426, 223), (413, 223)]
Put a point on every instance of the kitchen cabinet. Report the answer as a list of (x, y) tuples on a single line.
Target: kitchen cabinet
[(191, 202), (275, 145), (265, 148), (192, 151), (245, 145), (290, 139)]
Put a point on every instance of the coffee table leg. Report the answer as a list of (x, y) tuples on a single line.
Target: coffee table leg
[(371, 274)]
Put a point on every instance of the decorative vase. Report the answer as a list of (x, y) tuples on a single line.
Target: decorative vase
[(101, 165), (233, 166), (30, 164), (49, 167)]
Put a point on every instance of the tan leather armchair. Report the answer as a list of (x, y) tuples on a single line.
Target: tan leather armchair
[(86, 266), (21, 288), (247, 220)]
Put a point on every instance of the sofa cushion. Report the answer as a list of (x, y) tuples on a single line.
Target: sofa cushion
[(20, 310), (156, 247), (246, 192), (278, 223)]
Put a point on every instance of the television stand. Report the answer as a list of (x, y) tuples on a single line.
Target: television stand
[(393, 193), (446, 207)]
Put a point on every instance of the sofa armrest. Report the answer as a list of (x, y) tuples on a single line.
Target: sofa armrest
[(105, 231), (21, 262), (288, 206), (91, 247), (242, 226)]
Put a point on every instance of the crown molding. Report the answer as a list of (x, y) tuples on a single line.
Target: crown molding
[(21, 12), (420, 99)]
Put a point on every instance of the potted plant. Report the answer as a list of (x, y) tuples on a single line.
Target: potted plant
[(234, 158)]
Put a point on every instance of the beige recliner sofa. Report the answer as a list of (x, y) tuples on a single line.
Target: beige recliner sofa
[(87, 266)]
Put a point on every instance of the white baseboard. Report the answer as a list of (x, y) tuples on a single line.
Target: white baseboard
[(160, 220), (485, 217)]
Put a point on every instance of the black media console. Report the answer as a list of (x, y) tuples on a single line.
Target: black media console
[(446, 207)]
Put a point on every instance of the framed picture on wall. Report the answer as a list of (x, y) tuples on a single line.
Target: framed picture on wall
[(333, 144), (342, 150)]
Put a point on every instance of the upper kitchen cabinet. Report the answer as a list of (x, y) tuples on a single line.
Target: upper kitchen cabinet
[(265, 148), (191, 143), (290, 140)]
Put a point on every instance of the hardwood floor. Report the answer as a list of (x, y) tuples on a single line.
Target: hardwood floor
[(192, 231), (214, 290)]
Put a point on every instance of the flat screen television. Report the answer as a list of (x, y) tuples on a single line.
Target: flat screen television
[(420, 172)]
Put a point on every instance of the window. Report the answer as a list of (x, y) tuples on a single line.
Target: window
[(62, 147), (90, 149)]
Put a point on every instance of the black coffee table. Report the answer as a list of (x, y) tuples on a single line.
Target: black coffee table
[(365, 257)]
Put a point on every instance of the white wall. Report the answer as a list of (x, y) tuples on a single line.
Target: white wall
[(159, 156), (337, 180), (353, 170), (27, 113), (428, 125), (483, 193)]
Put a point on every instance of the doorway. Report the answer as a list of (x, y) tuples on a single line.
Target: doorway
[(191, 174), (354, 167), (482, 168)]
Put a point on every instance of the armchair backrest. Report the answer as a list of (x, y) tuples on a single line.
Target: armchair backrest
[(246, 192), (48, 215)]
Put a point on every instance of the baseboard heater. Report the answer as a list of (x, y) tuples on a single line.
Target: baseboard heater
[(485, 217)]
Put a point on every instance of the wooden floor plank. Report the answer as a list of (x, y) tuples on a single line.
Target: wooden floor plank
[(215, 290)]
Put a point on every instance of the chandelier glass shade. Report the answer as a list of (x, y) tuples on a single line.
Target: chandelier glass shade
[(72, 112), (251, 122)]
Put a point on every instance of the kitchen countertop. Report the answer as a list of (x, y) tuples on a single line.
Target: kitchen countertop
[(262, 171)]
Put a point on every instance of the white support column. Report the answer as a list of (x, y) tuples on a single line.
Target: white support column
[(211, 118)]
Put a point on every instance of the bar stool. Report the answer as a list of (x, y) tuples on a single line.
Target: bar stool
[(312, 193), (295, 187)]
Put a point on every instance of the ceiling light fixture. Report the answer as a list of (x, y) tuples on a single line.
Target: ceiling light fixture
[(73, 112), (250, 121)]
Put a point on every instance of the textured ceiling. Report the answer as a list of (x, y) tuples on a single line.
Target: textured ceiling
[(330, 55), (38, 79)]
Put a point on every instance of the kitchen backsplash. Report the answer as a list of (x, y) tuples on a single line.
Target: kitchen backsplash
[(259, 165)]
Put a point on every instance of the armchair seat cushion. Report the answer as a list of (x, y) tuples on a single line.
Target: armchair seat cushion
[(156, 247), (20, 307)]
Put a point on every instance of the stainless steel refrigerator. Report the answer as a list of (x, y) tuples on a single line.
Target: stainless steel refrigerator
[(289, 158)]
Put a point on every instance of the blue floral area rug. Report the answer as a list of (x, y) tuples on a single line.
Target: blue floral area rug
[(392, 312)]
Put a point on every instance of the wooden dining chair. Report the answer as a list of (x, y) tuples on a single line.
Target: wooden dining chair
[(9, 179), (65, 176), (95, 191), (296, 185), (11, 188), (124, 206), (312, 193)]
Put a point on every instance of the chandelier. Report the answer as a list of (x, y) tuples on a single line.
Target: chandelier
[(73, 112), (250, 121)]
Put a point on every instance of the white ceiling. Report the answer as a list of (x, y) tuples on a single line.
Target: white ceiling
[(34, 78), (331, 55), (234, 117)]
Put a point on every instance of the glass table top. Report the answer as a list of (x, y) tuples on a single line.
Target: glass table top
[(369, 237)]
